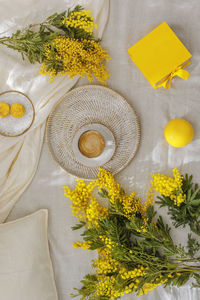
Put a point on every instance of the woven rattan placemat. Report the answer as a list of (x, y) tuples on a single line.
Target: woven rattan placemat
[(86, 105)]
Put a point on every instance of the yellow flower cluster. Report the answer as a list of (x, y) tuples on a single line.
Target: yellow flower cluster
[(74, 57), (107, 181), (107, 241), (82, 245), (81, 20), (178, 199), (105, 263), (177, 177), (94, 212), (164, 185), (151, 286), (150, 197), (51, 71), (131, 204), (86, 207), (139, 271), (168, 186), (80, 198), (148, 287), (106, 286), (135, 275)]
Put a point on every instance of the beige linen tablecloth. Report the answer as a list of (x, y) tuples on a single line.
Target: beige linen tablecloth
[(129, 21)]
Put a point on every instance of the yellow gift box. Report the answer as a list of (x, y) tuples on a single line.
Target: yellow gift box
[(160, 56)]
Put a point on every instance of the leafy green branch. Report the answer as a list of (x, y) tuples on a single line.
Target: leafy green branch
[(188, 213), (30, 42)]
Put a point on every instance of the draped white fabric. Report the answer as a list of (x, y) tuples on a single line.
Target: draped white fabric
[(19, 156)]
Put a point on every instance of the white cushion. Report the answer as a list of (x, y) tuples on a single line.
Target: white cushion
[(26, 271)]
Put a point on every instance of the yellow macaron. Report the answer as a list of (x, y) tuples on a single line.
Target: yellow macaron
[(17, 110), (4, 110)]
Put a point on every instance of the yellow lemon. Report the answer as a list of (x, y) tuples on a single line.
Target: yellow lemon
[(179, 132)]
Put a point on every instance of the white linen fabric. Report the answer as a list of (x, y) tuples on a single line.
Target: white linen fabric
[(19, 156), (129, 21), (25, 265)]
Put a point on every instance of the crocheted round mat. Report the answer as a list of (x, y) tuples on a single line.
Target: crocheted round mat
[(86, 105)]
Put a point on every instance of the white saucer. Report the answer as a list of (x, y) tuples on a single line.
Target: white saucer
[(11, 126), (108, 151)]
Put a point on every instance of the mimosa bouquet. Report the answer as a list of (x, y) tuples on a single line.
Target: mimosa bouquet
[(136, 252), (63, 44)]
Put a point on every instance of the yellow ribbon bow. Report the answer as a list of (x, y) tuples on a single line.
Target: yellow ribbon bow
[(166, 82)]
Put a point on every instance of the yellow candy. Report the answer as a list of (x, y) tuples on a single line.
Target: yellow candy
[(179, 132), (17, 110), (4, 109)]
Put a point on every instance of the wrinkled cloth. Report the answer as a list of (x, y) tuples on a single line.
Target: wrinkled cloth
[(129, 21), (19, 156)]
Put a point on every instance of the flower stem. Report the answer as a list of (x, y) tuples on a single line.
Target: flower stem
[(4, 39)]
